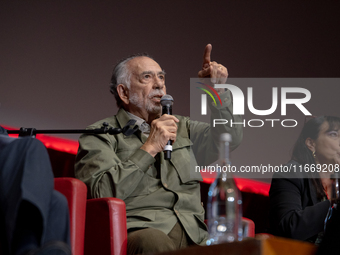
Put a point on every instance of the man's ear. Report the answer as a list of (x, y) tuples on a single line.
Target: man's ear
[(310, 143), (123, 93)]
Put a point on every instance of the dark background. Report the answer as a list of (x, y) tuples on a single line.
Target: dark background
[(56, 57)]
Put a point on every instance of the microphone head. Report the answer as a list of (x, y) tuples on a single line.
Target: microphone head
[(167, 100)]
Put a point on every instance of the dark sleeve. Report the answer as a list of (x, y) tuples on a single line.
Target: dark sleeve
[(288, 216)]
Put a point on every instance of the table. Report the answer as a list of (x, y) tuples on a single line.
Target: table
[(252, 246)]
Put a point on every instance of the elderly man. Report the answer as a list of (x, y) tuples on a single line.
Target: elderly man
[(162, 197)]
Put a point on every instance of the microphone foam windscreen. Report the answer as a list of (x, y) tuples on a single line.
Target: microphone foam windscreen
[(167, 100)]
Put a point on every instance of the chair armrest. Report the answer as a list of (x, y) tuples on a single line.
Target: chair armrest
[(75, 192), (248, 227), (105, 231)]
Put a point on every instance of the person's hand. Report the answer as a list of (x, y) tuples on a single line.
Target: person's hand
[(162, 130), (216, 72)]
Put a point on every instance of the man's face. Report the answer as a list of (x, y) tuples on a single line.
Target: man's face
[(147, 86)]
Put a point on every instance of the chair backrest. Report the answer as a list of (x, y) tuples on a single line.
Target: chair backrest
[(75, 191)]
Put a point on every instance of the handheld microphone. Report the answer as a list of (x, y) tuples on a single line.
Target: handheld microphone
[(167, 102)]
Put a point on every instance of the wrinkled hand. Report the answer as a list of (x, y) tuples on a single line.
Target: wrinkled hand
[(162, 130), (216, 72)]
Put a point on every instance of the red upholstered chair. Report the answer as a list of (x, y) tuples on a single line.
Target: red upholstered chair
[(105, 231), (75, 191), (248, 227)]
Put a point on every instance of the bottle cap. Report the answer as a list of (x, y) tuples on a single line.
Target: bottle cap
[(225, 137)]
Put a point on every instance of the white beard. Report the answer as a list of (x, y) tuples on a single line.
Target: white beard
[(150, 107)]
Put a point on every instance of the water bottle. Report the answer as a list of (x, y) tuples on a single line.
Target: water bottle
[(335, 194), (224, 207), (335, 201)]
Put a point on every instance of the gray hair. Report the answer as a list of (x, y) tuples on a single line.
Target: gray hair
[(122, 75)]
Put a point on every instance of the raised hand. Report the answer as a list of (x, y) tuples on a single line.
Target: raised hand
[(216, 72)]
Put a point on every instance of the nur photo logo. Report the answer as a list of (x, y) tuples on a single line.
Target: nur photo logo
[(281, 97)]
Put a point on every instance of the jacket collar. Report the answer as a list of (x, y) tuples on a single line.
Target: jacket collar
[(123, 118)]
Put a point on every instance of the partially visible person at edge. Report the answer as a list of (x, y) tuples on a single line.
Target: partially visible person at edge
[(299, 202), (162, 197), (34, 218)]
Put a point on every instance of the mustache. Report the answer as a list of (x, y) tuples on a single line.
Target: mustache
[(156, 93)]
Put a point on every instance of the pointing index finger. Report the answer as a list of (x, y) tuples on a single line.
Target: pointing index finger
[(206, 55)]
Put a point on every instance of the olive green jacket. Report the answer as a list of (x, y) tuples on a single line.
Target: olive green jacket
[(157, 192)]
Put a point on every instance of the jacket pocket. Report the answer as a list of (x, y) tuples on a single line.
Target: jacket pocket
[(184, 161)]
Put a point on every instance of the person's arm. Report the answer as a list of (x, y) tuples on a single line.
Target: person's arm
[(288, 217), (106, 174), (204, 136), (112, 166)]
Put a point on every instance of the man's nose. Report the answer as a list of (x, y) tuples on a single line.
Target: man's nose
[(159, 83)]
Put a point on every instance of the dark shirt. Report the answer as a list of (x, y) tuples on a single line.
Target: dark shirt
[(295, 210)]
